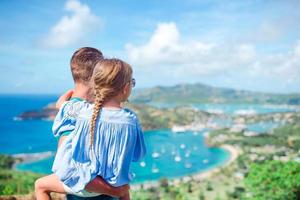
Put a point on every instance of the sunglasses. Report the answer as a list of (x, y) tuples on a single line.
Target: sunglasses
[(133, 82)]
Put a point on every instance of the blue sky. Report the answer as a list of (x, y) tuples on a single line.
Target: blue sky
[(252, 45)]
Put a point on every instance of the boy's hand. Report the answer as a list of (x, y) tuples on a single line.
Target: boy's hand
[(65, 97)]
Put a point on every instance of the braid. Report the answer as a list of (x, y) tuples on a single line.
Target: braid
[(96, 112), (109, 78), (100, 96)]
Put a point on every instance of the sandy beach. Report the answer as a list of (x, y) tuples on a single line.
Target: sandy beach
[(234, 153)]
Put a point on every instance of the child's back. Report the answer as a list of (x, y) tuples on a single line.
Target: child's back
[(118, 141)]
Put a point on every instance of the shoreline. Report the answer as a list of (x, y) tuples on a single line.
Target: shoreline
[(199, 176), (30, 157), (234, 153)]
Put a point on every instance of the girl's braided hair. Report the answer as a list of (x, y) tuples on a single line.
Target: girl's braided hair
[(109, 78)]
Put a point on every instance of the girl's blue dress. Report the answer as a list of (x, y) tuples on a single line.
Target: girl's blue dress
[(118, 141)]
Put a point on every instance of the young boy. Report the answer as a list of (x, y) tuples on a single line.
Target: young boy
[(82, 65), (69, 105)]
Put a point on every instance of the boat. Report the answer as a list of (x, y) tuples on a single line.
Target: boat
[(177, 158), (188, 165), (187, 154), (163, 150), (154, 169), (178, 129), (155, 155), (142, 164)]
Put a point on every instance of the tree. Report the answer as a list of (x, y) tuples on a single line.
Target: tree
[(201, 196), (274, 180), (6, 162)]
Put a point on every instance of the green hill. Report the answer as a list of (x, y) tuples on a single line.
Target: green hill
[(201, 93)]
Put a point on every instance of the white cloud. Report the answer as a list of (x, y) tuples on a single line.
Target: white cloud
[(283, 67), (165, 49), (73, 27), (287, 65), (168, 53)]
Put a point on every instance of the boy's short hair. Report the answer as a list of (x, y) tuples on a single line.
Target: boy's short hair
[(83, 62)]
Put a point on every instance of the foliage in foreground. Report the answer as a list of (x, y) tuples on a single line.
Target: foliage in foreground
[(6, 162), (13, 181), (274, 180)]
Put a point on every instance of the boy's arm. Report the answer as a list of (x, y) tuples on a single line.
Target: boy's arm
[(98, 185), (58, 121), (61, 139), (65, 97)]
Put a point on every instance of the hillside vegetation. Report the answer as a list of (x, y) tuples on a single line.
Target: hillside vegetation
[(201, 93)]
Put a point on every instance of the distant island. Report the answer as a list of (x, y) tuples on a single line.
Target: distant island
[(46, 113), (201, 93)]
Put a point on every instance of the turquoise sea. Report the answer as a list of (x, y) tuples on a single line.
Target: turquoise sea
[(169, 154)]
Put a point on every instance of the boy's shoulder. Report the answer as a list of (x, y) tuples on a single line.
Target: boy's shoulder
[(73, 107)]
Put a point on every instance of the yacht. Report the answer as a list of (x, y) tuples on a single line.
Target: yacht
[(155, 155)]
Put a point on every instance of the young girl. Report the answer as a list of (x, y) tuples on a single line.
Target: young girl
[(106, 138)]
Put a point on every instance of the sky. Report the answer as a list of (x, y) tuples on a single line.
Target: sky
[(249, 45)]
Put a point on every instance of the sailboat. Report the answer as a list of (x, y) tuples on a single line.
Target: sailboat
[(155, 155), (205, 161), (154, 169), (188, 165), (177, 158), (142, 164)]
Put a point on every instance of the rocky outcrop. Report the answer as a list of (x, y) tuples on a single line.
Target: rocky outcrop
[(47, 113)]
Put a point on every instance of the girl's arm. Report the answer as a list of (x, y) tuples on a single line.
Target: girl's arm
[(99, 185)]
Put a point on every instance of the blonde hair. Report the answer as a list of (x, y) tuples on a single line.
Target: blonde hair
[(109, 78)]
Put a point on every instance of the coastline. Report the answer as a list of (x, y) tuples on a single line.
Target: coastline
[(30, 157), (234, 153), (199, 176)]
